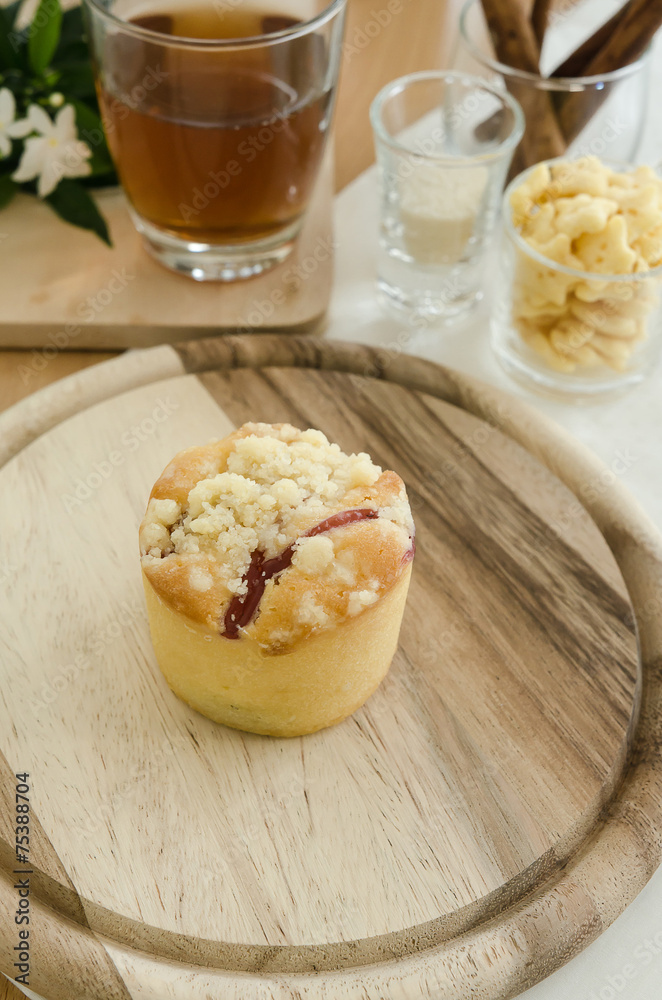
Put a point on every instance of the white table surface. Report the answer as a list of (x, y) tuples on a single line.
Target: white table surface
[(626, 961)]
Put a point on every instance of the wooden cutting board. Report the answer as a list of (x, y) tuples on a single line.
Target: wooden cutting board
[(489, 811), (62, 288)]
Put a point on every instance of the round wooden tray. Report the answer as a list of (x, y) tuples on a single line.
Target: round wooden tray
[(490, 810)]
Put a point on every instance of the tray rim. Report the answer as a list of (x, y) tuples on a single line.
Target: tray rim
[(616, 861)]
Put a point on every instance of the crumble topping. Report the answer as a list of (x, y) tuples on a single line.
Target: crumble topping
[(313, 555), (360, 599), (275, 483)]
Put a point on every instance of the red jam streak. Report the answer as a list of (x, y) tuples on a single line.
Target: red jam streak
[(243, 606), (410, 553)]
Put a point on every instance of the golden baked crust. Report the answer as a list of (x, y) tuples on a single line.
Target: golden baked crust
[(261, 490), (316, 684)]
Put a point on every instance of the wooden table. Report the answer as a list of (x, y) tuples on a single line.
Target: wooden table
[(384, 39)]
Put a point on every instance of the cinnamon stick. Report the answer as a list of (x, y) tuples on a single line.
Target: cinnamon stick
[(515, 45), (624, 44), (551, 126), (578, 60), (512, 34), (539, 18), (635, 32)]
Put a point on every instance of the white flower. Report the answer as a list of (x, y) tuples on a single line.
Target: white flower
[(9, 128), (54, 153)]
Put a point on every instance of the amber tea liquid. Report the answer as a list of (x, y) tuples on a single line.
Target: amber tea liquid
[(216, 146)]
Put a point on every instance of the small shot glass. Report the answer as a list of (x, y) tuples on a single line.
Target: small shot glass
[(444, 143), (571, 334)]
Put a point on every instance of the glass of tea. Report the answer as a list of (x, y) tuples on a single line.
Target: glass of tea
[(216, 114)]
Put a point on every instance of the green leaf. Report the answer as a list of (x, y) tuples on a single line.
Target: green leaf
[(44, 34), (72, 46), (11, 11), (90, 130), (101, 180), (7, 190), (10, 57), (73, 29), (75, 205), (89, 119), (76, 51), (77, 79)]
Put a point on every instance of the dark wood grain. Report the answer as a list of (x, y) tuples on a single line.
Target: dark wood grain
[(8, 991)]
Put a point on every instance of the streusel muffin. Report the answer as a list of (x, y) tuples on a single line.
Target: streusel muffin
[(276, 570)]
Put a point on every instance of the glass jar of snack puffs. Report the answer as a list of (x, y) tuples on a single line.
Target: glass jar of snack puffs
[(578, 305)]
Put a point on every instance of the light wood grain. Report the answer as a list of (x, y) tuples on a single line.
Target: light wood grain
[(56, 401), (79, 293), (509, 598)]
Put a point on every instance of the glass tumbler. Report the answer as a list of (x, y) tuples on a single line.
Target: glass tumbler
[(575, 115), (216, 114), (572, 334), (441, 176)]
